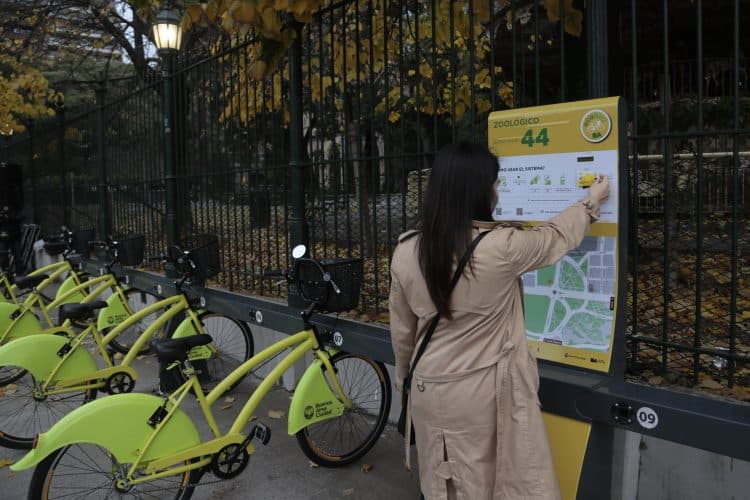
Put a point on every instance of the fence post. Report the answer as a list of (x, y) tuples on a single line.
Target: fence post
[(597, 49), (300, 229), (105, 225), (32, 173), (61, 159), (170, 168)]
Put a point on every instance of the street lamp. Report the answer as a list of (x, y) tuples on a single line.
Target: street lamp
[(167, 37), (167, 30)]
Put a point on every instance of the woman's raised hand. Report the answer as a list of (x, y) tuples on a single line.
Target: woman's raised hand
[(599, 190)]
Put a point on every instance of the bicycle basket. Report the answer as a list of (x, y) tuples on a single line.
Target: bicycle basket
[(204, 250), (130, 249), (81, 239), (346, 273)]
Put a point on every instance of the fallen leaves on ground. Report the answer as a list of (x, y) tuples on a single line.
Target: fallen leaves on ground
[(348, 492), (276, 414), (228, 403), (313, 465), (366, 468), (4, 462)]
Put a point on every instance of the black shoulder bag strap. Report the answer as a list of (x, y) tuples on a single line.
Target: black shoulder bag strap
[(428, 335)]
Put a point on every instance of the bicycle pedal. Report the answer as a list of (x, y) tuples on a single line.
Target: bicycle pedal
[(262, 432)]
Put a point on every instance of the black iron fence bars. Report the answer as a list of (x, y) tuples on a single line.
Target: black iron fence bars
[(382, 84)]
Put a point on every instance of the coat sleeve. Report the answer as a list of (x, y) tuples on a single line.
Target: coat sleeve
[(403, 330), (549, 242)]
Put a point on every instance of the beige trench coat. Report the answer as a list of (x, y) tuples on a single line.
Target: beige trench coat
[(474, 403)]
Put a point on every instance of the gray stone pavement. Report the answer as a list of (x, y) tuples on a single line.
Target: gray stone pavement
[(279, 471)]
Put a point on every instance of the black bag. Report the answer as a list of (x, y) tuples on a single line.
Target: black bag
[(401, 426)]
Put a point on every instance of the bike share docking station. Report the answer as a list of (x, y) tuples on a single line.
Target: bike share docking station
[(575, 309)]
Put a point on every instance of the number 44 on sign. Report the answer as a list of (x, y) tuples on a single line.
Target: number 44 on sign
[(541, 138)]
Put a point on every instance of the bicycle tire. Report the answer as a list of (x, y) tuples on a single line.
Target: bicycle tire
[(97, 467), (8, 376), (234, 345), (137, 300), (22, 416), (351, 370)]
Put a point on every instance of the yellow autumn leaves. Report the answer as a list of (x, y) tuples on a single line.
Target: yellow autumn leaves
[(428, 58), (24, 95), (267, 19)]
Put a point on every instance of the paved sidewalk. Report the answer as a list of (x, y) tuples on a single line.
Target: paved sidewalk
[(279, 471)]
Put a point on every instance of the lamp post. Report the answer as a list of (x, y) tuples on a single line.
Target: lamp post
[(168, 37)]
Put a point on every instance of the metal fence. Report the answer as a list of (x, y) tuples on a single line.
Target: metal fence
[(384, 84)]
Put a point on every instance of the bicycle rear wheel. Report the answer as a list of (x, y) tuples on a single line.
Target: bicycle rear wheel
[(232, 345), (89, 471), (23, 416), (137, 301), (342, 440)]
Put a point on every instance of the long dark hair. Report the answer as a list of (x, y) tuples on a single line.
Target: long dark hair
[(459, 191)]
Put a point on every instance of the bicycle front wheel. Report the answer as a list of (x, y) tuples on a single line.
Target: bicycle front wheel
[(9, 374), (342, 440), (89, 471), (137, 300), (24, 414)]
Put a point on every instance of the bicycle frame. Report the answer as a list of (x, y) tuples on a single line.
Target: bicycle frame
[(23, 312), (85, 378), (54, 270), (301, 342)]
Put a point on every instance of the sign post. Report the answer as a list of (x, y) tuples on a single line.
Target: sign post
[(575, 309)]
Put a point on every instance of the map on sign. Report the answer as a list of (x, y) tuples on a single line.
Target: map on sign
[(572, 302)]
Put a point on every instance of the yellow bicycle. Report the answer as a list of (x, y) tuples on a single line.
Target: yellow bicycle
[(62, 372), (142, 445)]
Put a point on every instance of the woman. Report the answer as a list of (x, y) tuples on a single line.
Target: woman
[(478, 425)]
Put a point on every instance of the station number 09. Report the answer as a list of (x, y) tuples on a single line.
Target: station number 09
[(530, 139), (647, 417)]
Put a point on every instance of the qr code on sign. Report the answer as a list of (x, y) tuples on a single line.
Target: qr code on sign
[(519, 211)]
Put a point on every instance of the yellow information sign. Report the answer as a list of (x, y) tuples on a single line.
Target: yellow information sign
[(548, 156)]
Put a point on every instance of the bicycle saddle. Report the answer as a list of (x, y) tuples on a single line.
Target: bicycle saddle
[(29, 281), (80, 312), (171, 350)]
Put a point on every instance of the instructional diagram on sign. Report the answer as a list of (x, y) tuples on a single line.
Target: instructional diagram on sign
[(538, 187), (548, 157)]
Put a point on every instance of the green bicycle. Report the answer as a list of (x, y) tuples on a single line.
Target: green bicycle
[(139, 444), (60, 373), (13, 288), (21, 321)]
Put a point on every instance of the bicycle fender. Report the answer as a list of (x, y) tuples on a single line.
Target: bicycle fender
[(313, 400), (112, 315), (119, 424), (13, 328), (65, 287), (38, 355), (187, 328)]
